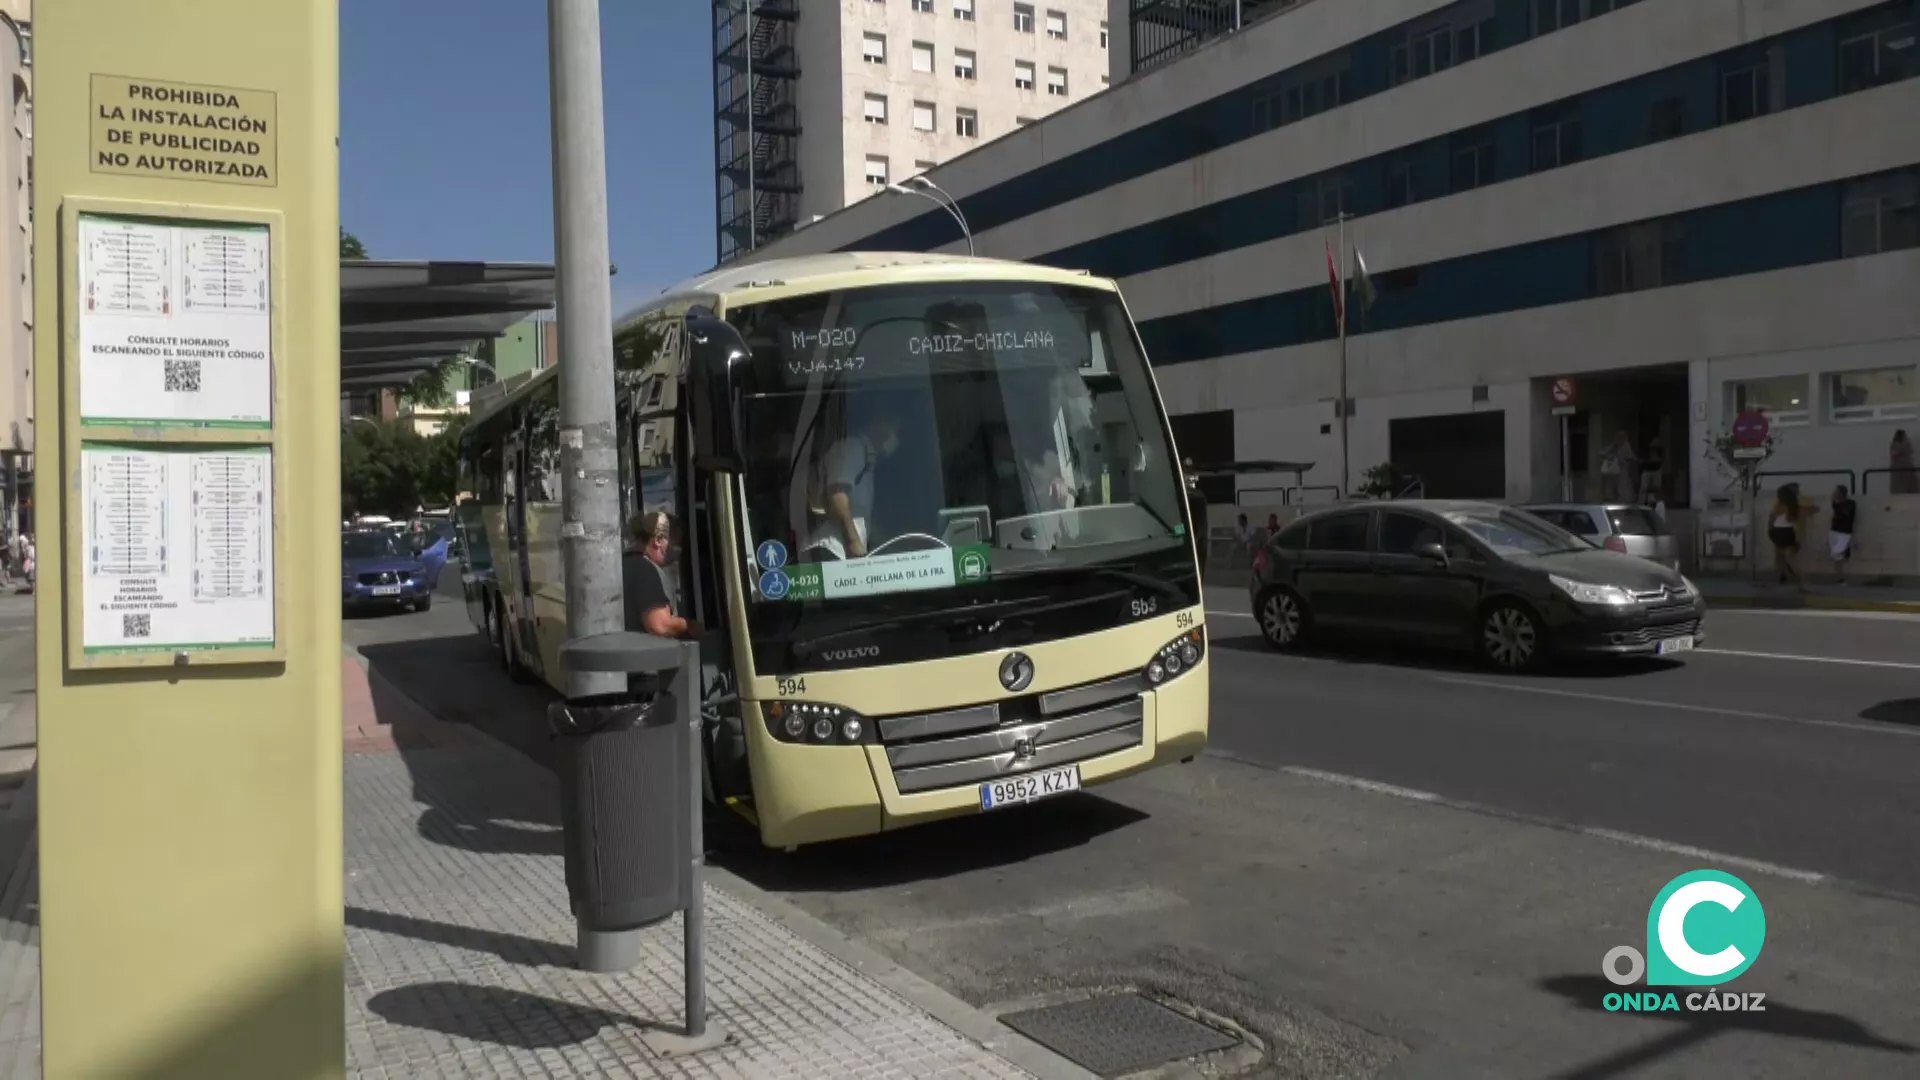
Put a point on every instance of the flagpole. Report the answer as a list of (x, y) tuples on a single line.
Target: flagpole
[(1346, 472)]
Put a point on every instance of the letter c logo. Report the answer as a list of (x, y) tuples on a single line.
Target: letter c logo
[(1673, 928), (1704, 928)]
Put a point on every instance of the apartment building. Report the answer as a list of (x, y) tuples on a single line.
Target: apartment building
[(825, 103), (1582, 219), (16, 268)]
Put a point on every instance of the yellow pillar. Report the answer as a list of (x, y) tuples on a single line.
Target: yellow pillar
[(186, 217)]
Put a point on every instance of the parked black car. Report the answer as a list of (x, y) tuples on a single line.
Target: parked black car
[(1515, 588)]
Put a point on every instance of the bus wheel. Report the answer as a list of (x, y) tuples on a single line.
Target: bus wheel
[(509, 661), (1283, 616)]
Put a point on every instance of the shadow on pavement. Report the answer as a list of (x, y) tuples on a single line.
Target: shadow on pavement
[(458, 679), (933, 851), (513, 948), (1359, 650), (495, 1014), (1904, 711), (1692, 1028)]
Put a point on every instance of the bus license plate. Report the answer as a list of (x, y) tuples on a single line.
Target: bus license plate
[(1674, 645), (386, 590), (1025, 789)]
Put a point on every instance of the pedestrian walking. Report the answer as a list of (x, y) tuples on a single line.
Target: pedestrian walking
[(1784, 521), (1840, 532)]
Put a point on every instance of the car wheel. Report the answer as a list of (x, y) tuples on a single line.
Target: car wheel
[(425, 603), (1283, 616), (1511, 638)]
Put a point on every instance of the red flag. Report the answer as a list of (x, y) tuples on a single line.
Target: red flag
[(1333, 280)]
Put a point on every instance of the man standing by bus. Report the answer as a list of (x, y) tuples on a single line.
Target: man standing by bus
[(652, 601)]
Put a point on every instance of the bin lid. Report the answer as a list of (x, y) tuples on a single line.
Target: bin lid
[(624, 652)]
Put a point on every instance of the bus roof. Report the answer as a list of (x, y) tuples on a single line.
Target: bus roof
[(800, 275)]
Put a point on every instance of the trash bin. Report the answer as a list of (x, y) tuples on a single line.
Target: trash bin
[(622, 806)]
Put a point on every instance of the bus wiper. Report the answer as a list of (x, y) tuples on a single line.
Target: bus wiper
[(1131, 577), (805, 646)]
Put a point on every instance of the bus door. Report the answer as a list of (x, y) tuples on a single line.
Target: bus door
[(520, 589)]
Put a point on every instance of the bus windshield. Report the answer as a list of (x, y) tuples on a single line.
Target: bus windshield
[(924, 437)]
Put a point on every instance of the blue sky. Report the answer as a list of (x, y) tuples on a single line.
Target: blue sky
[(444, 134)]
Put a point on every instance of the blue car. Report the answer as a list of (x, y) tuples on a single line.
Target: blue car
[(377, 571)]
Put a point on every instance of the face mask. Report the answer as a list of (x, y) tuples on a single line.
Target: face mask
[(890, 444)]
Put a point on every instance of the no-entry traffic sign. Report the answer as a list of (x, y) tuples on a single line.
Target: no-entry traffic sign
[(1563, 391), (1750, 428)]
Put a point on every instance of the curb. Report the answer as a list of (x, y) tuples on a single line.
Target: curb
[(1811, 603), (975, 1024)]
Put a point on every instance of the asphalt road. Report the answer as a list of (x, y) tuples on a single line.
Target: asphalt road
[(1400, 864)]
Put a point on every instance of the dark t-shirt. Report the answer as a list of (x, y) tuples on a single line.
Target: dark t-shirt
[(645, 587), (1843, 517)]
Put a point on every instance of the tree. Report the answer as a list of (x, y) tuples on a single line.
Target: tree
[(350, 245), (382, 465), (440, 480)]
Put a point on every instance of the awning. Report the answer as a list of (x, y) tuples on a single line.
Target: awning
[(400, 318)]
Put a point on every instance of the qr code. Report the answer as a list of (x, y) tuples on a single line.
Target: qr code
[(136, 626), (183, 376)]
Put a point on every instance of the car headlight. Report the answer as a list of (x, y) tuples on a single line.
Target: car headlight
[(1583, 593), (1687, 587)]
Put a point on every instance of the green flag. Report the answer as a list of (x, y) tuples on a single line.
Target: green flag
[(1362, 281)]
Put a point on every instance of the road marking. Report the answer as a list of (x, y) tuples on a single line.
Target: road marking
[(1745, 714), (1668, 847), (1811, 659), (1812, 613)]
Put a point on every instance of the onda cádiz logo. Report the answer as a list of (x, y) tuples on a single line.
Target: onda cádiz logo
[(1705, 928)]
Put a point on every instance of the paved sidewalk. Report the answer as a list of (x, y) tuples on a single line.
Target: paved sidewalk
[(459, 944)]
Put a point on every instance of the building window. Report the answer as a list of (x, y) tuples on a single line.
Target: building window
[(1023, 18), (1057, 81), (876, 109), (1103, 34), (1880, 57), (1057, 25), (923, 116), (923, 57), (1880, 213), (1645, 255), (1023, 75), (1551, 15), (966, 123), (1744, 94), (876, 171), (923, 6), (1322, 200), (1556, 140), (874, 48), (1436, 49), (963, 66), (1856, 397), (963, 10), (1473, 164), (1400, 183), (1783, 398), (1666, 119)]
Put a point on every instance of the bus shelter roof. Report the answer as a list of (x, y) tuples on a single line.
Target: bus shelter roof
[(399, 318)]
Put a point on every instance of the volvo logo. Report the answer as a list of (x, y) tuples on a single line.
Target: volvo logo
[(863, 652), (1016, 672)]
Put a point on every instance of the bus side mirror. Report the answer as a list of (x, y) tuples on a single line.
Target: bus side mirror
[(716, 348)]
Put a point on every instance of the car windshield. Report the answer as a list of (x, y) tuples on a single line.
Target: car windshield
[(369, 545), (904, 438), (1512, 532)]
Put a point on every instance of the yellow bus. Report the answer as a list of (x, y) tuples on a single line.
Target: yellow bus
[(928, 510)]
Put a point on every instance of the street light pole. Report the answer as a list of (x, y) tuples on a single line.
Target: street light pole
[(927, 189), (590, 487)]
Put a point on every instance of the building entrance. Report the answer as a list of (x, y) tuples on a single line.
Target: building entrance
[(1628, 438)]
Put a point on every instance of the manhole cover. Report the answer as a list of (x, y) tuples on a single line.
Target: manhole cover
[(1117, 1034)]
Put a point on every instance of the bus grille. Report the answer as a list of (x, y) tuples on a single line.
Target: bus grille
[(981, 743)]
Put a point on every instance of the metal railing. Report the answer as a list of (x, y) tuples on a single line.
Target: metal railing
[(1867, 475)]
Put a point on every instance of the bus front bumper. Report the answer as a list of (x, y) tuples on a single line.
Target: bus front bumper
[(832, 793)]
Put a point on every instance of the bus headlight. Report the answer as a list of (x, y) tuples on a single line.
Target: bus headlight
[(815, 724), (1176, 657)]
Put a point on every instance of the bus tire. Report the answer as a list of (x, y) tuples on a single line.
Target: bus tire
[(509, 654)]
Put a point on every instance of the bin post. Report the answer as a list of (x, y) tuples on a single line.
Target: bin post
[(630, 653)]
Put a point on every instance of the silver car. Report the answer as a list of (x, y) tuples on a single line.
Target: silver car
[(1630, 530)]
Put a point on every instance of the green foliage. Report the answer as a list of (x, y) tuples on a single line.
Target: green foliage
[(434, 387), (350, 245), (386, 467)]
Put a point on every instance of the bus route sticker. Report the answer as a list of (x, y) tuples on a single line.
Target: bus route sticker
[(772, 555), (773, 585)]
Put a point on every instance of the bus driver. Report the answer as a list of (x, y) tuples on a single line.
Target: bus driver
[(845, 487)]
